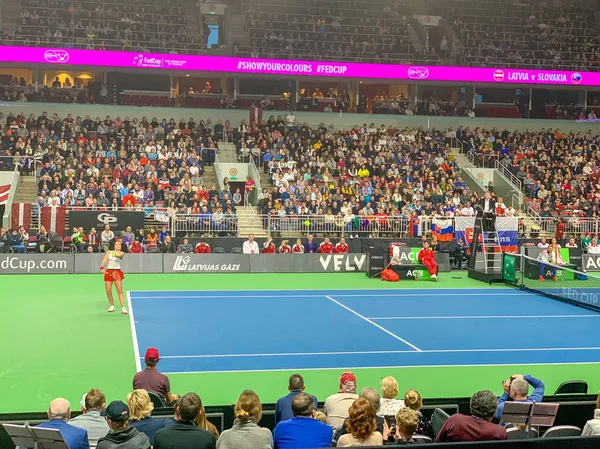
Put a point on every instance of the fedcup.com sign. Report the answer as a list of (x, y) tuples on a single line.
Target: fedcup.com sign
[(37, 264)]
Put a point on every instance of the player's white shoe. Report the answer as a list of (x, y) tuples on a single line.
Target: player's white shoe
[(124, 311), (434, 277), (111, 309)]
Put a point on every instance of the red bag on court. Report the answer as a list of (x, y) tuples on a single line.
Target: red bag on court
[(389, 275)]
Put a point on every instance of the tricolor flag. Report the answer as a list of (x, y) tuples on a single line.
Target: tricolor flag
[(4, 193), (53, 219), (442, 229), (20, 215)]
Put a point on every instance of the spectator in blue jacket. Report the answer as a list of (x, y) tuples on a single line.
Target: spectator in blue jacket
[(303, 430), (283, 408), (310, 247), (59, 413), (517, 388)]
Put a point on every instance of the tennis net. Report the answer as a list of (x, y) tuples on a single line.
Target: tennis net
[(562, 282)]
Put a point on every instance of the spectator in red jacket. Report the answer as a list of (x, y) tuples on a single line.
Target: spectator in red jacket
[(298, 247), (269, 246), (326, 247), (341, 246), (136, 247), (285, 247), (202, 247)]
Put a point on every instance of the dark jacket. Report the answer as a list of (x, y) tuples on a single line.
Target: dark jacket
[(130, 438), (184, 434)]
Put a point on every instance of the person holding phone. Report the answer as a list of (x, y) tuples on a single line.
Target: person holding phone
[(111, 269)]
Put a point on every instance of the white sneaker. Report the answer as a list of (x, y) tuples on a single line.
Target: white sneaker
[(111, 309), (434, 277), (124, 311)]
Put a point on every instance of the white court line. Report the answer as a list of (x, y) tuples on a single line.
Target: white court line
[(422, 351), (476, 317), (374, 324), (285, 295), (136, 347), (378, 367)]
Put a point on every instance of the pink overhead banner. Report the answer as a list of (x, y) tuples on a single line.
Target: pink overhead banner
[(95, 58)]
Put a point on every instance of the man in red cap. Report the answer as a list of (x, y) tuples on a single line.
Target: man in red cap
[(337, 405), (151, 380)]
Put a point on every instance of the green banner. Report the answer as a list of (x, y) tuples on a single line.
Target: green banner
[(509, 268)]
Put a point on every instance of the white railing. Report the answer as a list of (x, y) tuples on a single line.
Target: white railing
[(509, 175), (575, 227), (360, 226), (218, 172), (11, 193), (208, 225)]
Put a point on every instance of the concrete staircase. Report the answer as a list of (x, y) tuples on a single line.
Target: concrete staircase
[(11, 10), (249, 222), (27, 190), (227, 152), (209, 178), (415, 39), (238, 29)]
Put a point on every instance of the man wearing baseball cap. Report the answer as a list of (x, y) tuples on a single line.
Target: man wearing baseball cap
[(337, 405), (121, 435), (151, 380)]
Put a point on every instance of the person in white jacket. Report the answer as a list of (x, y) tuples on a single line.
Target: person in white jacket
[(250, 246), (592, 427)]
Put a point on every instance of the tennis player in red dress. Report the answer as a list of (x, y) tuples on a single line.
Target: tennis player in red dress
[(111, 269)]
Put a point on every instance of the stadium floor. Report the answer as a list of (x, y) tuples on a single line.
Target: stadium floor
[(60, 341)]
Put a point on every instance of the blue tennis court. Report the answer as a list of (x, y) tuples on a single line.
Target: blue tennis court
[(223, 331)]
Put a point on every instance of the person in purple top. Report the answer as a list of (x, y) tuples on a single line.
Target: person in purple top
[(310, 247)]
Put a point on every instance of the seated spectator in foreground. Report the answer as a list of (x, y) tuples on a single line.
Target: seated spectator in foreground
[(303, 430), (337, 405), (185, 247), (516, 389), (185, 433), (389, 405), (414, 401), (106, 238), (203, 423), (250, 246), (341, 246), (283, 408), (168, 246), (92, 404), (407, 421), (326, 247), (121, 434), (478, 426), (361, 426), (151, 380), (202, 247), (16, 242), (136, 247), (245, 433), (373, 398), (59, 413), (140, 410), (592, 427)]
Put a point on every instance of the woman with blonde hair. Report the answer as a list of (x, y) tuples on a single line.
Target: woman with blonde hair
[(203, 423), (407, 422), (592, 427), (389, 405), (414, 401), (140, 410), (361, 426), (245, 433)]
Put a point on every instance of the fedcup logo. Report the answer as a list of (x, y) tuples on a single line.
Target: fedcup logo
[(138, 60), (418, 73), (498, 75), (56, 56), (576, 78)]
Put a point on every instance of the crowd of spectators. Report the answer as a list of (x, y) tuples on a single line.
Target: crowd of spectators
[(141, 26), (558, 170), (339, 30), (525, 33), (368, 174), (349, 417)]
